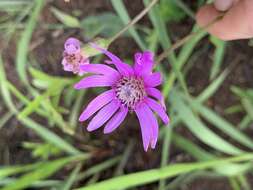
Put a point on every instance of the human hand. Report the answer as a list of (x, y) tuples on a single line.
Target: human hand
[(237, 23)]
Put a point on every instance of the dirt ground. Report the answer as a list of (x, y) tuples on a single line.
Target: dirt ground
[(48, 52)]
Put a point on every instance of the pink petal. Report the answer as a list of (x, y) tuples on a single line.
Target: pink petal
[(156, 94), (158, 109), (153, 124), (145, 123), (116, 120), (96, 104), (95, 81), (137, 63), (122, 67), (85, 61), (103, 115), (66, 65), (81, 72), (144, 63), (99, 69), (153, 80), (72, 45)]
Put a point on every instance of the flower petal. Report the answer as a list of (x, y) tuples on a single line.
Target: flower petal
[(153, 124), (95, 81), (72, 45), (116, 120), (103, 115), (122, 67), (156, 94), (137, 63), (158, 109), (96, 104), (66, 65), (144, 63), (145, 123), (153, 80), (99, 69), (82, 63)]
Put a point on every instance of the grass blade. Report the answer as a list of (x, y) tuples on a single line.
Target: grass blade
[(222, 124), (49, 136), (212, 88), (66, 19), (4, 89), (202, 155), (183, 57), (149, 176), (71, 180), (45, 170), (218, 56), (199, 129), (23, 44), (123, 14), (160, 28)]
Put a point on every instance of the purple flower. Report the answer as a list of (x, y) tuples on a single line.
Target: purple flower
[(131, 89), (73, 58)]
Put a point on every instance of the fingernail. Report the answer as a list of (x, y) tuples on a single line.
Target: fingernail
[(223, 5)]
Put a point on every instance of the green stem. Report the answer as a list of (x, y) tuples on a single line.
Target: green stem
[(135, 20)]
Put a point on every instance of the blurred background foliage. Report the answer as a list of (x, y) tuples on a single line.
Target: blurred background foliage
[(207, 85)]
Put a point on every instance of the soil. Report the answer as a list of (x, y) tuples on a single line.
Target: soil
[(47, 50)]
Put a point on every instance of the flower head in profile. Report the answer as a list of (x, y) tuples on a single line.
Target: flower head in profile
[(73, 58), (132, 89)]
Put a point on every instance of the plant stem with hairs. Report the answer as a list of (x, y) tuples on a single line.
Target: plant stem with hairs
[(185, 39)]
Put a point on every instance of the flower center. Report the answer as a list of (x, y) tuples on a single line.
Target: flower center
[(130, 91)]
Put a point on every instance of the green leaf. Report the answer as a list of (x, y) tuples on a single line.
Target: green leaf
[(49, 136), (4, 89), (212, 88), (48, 80), (165, 41), (247, 104), (170, 11), (58, 118), (13, 5), (165, 153), (161, 29), (100, 167), (45, 170), (12, 170), (32, 106), (199, 129), (44, 184), (23, 44), (75, 111), (17, 93), (73, 176), (123, 14), (245, 122), (183, 57), (149, 176), (222, 124), (24, 99), (234, 184), (106, 24), (202, 155), (220, 47), (5, 118), (101, 42), (66, 19), (42, 150), (191, 148)]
